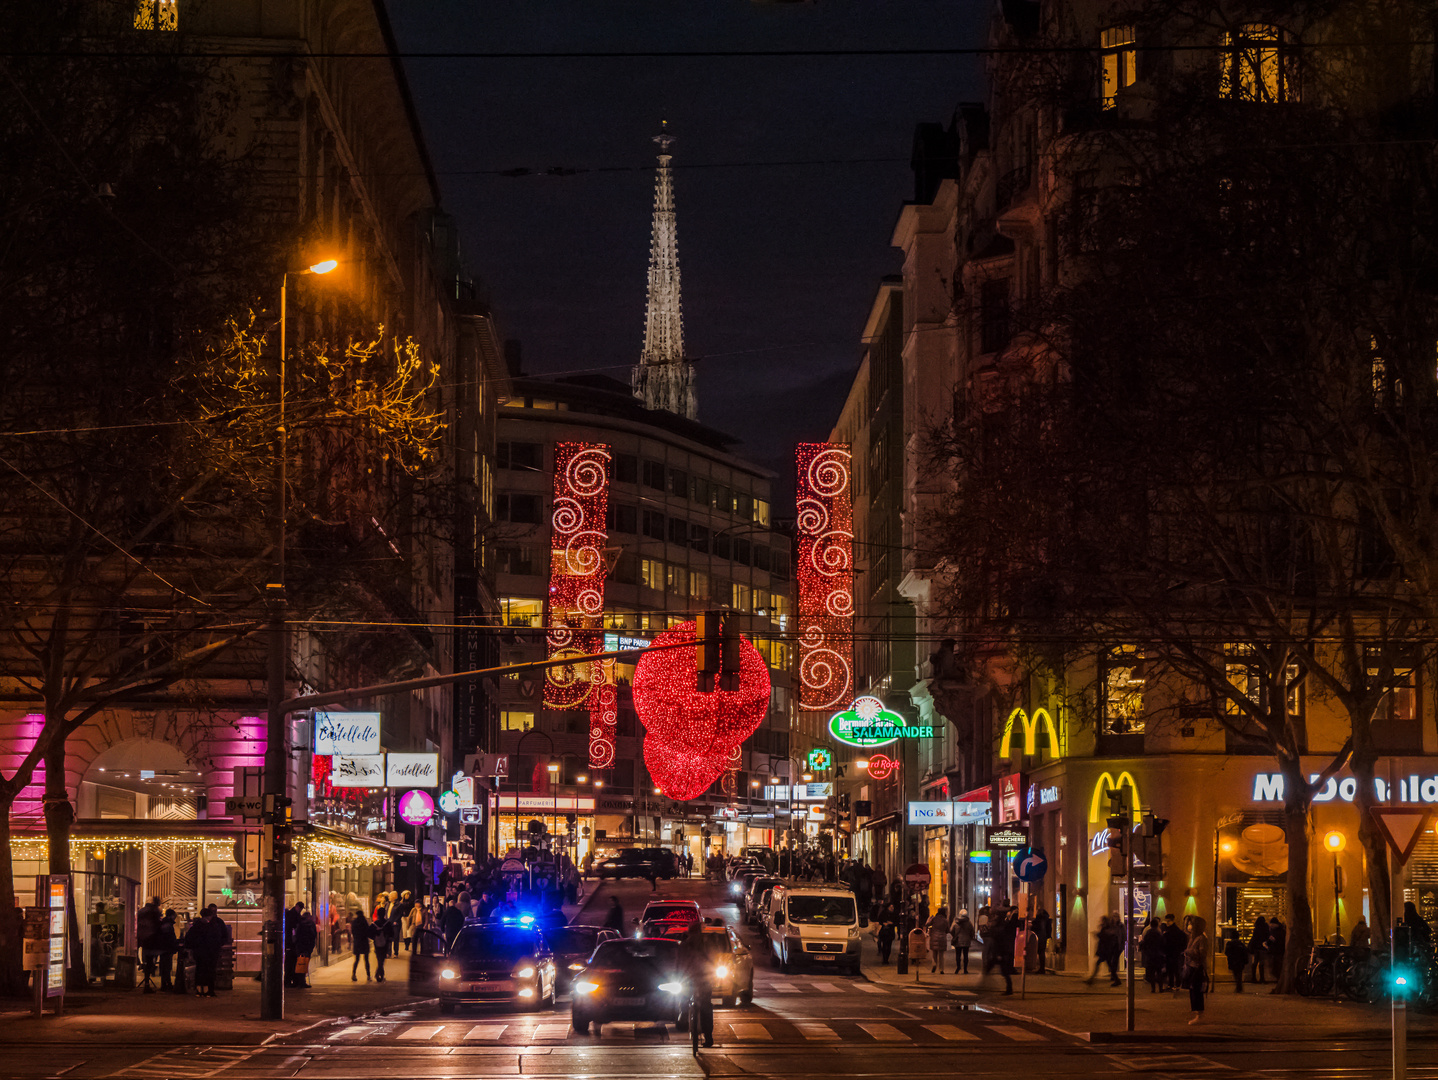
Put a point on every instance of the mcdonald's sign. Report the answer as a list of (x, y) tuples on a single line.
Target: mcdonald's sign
[(1030, 727), (1107, 783)]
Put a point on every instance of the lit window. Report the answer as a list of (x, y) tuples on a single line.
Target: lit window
[(1122, 690), (1119, 62), (698, 585), (740, 600), (1256, 67), (521, 611), (516, 721), (761, 512), (675, 580), (1401, 701), (157, 14), (651, 573)]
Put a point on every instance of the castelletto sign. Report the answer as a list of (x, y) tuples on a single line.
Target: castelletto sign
[(1108, 782), (1269, 787), (868, 723), (1029, 727), (347, 733)]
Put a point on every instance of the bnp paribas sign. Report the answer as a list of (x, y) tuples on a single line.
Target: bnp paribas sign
[(868, 723)]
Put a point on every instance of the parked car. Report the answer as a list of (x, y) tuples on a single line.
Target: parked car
[(814, 925), (739, 886), (630, 979), (744, 866), (753, 902), (573, 946), (668, 910), (639, 863), (766, 856), (497, 963)]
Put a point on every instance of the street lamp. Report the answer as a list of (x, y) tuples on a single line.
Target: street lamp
[(1334, 842), (272, 988)]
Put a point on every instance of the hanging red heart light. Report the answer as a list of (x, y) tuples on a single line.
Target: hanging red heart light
[(680, 774), (694, 732)]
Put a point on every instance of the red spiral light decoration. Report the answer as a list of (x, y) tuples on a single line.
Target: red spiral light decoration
[(825, 572)]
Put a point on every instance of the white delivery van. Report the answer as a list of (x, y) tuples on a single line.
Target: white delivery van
[(818, 926)]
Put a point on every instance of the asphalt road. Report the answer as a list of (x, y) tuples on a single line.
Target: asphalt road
[(808, 1024)]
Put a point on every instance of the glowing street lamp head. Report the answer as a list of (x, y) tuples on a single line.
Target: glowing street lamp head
[(324, 266), (1335, 841)]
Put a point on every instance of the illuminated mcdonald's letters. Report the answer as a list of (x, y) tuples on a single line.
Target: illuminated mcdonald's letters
[(1031, 732), (1107, 783)]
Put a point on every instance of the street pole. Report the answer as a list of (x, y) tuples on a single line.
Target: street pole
[(272, 928), (1400, 1032)]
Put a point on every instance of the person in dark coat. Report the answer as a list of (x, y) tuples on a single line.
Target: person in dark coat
[(292, 923), (307, 936), (614, 918), (1237, 956), (888, 929), (1258, 947), (380, 931), (451, 922), (1175, 941), (147, 933), (359, 938), (999, 945), (1154, 956), (169, 946), (205, 939), (1043, 934)]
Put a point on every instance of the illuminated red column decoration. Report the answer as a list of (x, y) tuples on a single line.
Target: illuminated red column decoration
[(825, 571), (576, 592)]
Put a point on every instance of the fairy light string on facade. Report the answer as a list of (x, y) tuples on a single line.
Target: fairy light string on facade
[(825, 573)]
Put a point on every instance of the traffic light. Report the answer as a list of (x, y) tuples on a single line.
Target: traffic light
[(717, 651), (277, 810), (708, 628)]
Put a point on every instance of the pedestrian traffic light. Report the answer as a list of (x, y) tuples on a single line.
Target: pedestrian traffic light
[(730, 652), (284, 850)]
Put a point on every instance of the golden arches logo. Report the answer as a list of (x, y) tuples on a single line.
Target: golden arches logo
[(1031, 732), (1107, 783)]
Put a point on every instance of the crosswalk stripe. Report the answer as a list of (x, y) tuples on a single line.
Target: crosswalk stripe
[(751, 1031), (950, 1032), (871, 988), (783, 988), (1018, 1034), (421, 1031), (551, 1031), (885, 1032), (826, 987), (486, 1031), (353, 1029), (815, 1030), (917, 990)]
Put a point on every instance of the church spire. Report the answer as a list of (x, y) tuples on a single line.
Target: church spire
[(663, 378)]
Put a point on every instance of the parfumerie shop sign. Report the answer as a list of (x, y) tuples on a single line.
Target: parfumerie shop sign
[(347, 734)]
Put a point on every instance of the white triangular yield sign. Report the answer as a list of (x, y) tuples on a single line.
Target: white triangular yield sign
[(1402, 826)]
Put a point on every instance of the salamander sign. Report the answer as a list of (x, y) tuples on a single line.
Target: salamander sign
[(868, 723)]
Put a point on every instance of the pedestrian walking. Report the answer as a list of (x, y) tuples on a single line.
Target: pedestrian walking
[(1108, 947), (451, 922), (1043, 934), (1277, 945), (963, 938), (392, 923), (614, 918), (1361, 938), (1258, 947), (403, 909), (291, 923), (381, 934), (359, 942), (1195, 965), (888, 930), (1237, 956), (999, 946), (938, 927)]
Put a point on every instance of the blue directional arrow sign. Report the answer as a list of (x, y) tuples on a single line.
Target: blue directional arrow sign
[(1030, 865)]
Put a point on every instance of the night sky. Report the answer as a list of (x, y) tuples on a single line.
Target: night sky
[(779, 262)]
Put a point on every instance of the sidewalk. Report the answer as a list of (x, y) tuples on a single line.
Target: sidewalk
[(1097, 1012), (129, 1016)]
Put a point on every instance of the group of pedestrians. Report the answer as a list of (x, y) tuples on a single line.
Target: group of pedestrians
[(165, 946), (396, 918), (1266, 944)]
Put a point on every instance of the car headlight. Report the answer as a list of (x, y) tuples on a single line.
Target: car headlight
[(576, 967), (853, 932), (672, 987), (526, 972), (585, 987), (721, 971), (527, 992), (449, 973)]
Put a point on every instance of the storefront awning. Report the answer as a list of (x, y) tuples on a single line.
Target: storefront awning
[(981, 794), (881, 822)]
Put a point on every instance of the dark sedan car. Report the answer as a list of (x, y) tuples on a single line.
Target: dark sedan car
[(495, 963), (630, 979), (574, 945)]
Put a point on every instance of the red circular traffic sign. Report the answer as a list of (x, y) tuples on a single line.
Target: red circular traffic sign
[(917, 874)]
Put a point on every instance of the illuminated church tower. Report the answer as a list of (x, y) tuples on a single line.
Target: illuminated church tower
[(663, 378)]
